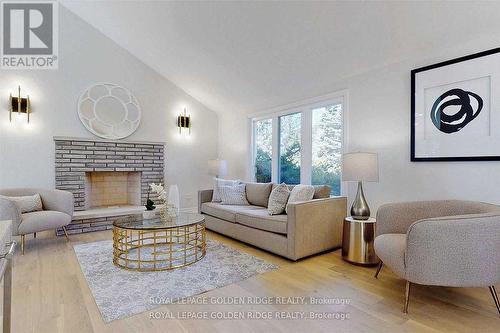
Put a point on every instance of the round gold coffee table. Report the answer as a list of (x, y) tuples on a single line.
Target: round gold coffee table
[(156, 244)]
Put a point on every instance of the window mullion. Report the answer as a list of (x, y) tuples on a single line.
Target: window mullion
[(253, 148), (306, 147), (275, 151)]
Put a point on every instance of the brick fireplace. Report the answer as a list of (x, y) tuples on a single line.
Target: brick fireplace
[(107, 178)]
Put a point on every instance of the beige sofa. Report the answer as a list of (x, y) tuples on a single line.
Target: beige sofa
[(310, 227), (449, 243)]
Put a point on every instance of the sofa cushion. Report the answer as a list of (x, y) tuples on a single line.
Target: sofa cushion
[(42, 220), (224, 212), (300, 193), (278, 199), (27, 203), (258, 193), (221, 182), (390, 248), (290, 187), (233, 195), (260, 219), (322, 191)]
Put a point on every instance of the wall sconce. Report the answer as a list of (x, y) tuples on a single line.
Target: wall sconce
[(19, 104), (184, 121)]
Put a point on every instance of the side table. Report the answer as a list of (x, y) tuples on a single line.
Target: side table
[(357, 242)]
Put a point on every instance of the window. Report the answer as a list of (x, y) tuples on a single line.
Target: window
[(327, 137), (289, 158), (263, 150), (302, 143)]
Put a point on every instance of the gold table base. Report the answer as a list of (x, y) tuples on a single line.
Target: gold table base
[(158, 249), (357, 243)]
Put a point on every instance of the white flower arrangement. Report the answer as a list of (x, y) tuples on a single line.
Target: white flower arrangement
[(160, 190), (168, 211)]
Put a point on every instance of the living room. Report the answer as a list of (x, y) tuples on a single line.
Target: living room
[(249, 166)]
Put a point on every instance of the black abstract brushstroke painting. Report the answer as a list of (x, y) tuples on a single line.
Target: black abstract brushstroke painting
[(455, 122)]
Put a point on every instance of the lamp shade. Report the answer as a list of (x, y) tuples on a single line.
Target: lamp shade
[(360, 167), (217, 167)]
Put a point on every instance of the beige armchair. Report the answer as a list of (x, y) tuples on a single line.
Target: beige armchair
[(57, 212), (444, 243)]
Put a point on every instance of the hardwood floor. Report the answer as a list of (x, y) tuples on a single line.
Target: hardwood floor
[(50, 294)]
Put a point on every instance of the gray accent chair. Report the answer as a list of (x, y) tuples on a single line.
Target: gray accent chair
[(448, 243), (58, 207)]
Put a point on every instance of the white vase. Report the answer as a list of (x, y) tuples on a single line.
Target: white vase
[(173, 197), (149, 214)]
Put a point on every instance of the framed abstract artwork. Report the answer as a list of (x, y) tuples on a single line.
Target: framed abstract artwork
[(455, 109)]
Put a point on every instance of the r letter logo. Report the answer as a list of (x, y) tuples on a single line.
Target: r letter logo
[(29, 35)]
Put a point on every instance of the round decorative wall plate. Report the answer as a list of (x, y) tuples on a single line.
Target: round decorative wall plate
[(109, 111)]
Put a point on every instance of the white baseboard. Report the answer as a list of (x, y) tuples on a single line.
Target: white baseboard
[(189, 210)]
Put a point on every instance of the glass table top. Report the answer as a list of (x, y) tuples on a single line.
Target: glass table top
[(138, 222)]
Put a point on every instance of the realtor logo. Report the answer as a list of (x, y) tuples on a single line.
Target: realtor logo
[(29, 35)]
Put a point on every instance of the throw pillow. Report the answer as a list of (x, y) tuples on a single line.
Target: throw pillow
[(27, 204), (258, 193), (278, 199), (300, 193), (221, 182), (233, 195), (322, 191)]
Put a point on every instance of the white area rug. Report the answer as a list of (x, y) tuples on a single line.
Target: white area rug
[(120, 293)]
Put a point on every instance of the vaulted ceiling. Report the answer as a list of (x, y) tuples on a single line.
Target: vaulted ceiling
[(248, 56)]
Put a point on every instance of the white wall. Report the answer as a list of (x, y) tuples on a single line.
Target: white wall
[(379, 121), (86, 56), (234, 144)]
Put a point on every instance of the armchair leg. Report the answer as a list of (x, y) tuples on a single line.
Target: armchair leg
[(65, 233), (495, 297), (380, 264), (22, 244), (407, 296)]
